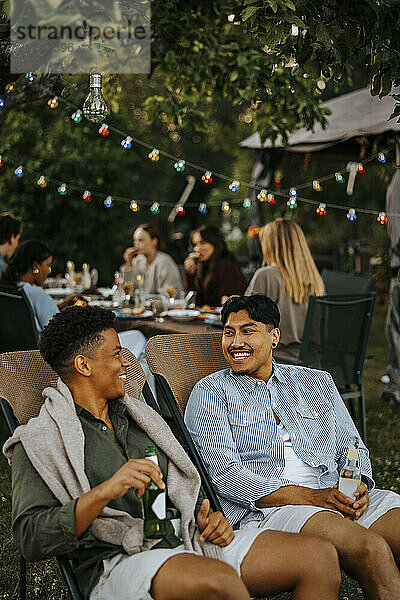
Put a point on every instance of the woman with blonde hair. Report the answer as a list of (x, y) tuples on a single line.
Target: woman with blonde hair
[(289, 277)]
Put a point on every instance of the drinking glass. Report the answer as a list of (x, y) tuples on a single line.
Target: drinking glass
[(158, 306)]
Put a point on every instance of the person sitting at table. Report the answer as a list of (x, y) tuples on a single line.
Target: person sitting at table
[(146, 260), (10, 232), (212, 270), (28, 269), (289, 277), (78, 490)]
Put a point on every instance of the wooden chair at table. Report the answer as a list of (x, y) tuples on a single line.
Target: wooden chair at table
[(178, 361), (23, 376)]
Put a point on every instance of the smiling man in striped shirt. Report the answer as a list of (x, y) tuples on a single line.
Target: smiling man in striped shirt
[(274, 439)]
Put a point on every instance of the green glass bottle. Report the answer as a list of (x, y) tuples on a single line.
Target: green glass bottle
[(154, 505)]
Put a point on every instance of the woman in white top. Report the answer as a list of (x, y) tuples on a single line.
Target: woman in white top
[(289, 278), (29, 268), (145, 259)]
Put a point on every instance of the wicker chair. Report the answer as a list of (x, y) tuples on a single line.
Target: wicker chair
[(23, 376), (178, 361)]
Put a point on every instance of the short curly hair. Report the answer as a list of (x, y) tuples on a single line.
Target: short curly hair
[(75, 330)]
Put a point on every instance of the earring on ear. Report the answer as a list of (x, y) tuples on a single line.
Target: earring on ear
[(274, 344), (35, 271)]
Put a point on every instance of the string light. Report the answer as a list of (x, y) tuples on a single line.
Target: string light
[(1, 161), (87, 196), (154, 155), (10, 87), (234, 186), (351, 215), (127, 143), (225, 207), (77, 116), (42, 182), (339, 177), (180, 210), (382, 218), (95, 107), (293, 192), (108, 202), (30, 77), (321, 210), (381, 158), (271, 199), (134, 206), (292, 203), (262, 195), (155, 208), (278, 178), (247, 203), (104, 131), (62, 190), (2, 102), (361, 169), (316, 185), (207, 177), (203, 209), (179, 166), (53, 102), (19, 171)]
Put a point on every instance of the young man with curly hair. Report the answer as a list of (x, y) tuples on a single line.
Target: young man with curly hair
[(79, 475), (10, 232)]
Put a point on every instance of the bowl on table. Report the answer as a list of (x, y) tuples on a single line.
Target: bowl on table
[(183, 314)]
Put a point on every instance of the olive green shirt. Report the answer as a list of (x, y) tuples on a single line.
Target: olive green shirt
[(43, 528)]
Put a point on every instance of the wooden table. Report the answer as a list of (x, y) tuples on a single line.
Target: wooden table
[(149, 327)]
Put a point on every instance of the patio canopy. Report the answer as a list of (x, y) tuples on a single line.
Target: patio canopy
[(352, 115)]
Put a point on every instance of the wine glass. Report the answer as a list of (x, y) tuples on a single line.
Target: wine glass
[(158, 306), (171, 291), (127, 287)]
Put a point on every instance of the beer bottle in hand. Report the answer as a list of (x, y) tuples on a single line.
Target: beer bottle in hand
[(350, 475), (154, 505)]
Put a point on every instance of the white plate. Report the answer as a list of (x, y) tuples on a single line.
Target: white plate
[(122, 315), (101, 303), (183, 314), (58, 291)]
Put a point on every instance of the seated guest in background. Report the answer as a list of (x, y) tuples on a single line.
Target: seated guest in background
[(145, 259), (10, 232), (211, 270), (275, 438), (289, 278), (78, 489), (28, 269)]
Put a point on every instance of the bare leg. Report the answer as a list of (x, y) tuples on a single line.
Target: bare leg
[(363, 554), (278, 562), (193, 577), (388, 526)]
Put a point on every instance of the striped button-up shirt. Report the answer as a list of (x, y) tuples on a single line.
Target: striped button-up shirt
[(231, 420)]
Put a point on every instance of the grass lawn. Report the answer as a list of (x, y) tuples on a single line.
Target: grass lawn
[(44, 581)]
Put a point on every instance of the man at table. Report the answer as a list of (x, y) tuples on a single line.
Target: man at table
[(274, 438), (79, 475), (10, 232)]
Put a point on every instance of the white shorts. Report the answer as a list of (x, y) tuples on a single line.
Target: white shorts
[(292, 518), (131, 576)]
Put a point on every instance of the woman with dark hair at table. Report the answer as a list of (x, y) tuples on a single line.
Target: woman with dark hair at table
[(211, 269), (28, 269)]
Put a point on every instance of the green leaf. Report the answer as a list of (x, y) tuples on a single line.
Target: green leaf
[(248, 12), (290, 5), (395, 113)]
